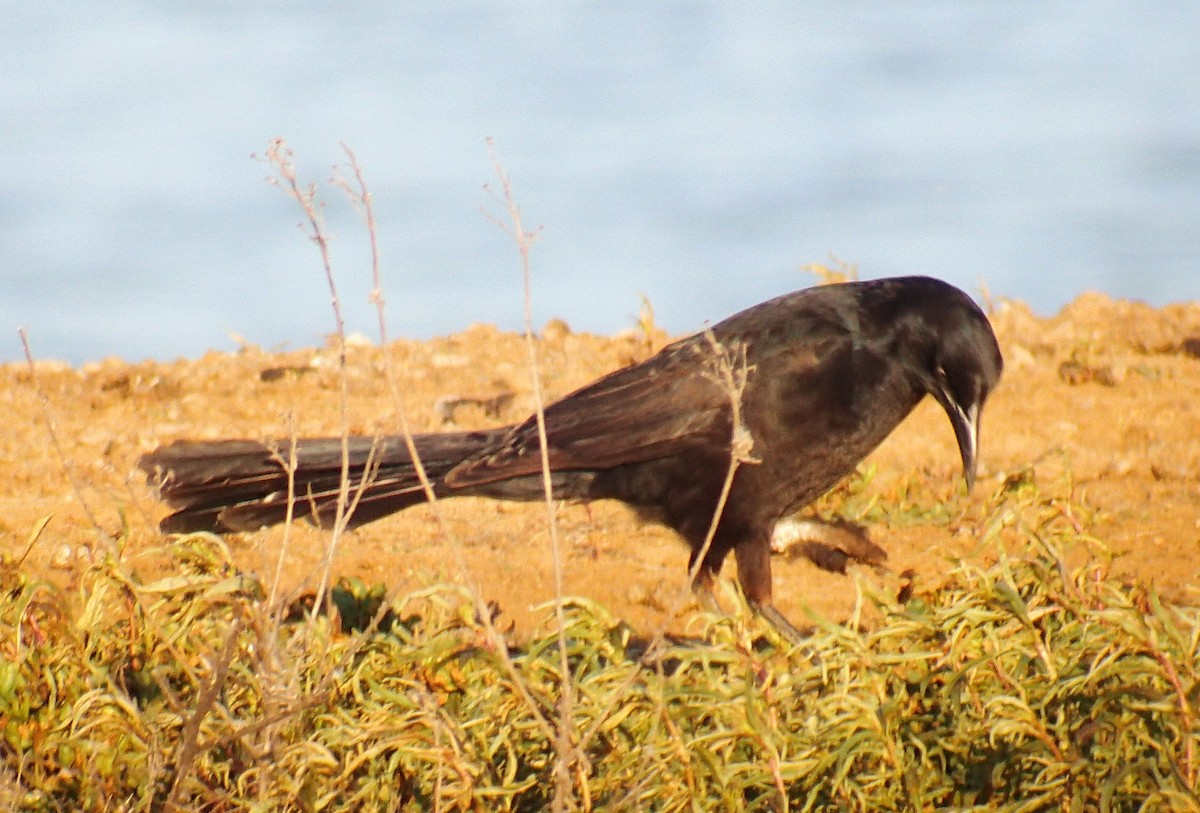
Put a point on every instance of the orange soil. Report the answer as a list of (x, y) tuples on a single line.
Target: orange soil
[(1102, 402)]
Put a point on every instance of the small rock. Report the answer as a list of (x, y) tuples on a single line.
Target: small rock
[(277, 373), (1075, 372), (445, 406), (63, 558), (556, 330), (1119, 467), (1020, 357), (449, 360)]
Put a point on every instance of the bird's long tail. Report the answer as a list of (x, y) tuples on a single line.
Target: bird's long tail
[(238, 485)]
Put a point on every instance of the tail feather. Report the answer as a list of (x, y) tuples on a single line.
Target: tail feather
[(237, 485)]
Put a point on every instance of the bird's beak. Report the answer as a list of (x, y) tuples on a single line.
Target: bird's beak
[(966, 429)]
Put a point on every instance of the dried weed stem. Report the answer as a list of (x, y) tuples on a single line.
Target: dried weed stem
[(566, 751)]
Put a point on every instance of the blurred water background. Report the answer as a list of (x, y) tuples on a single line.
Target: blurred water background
[(697, 153)]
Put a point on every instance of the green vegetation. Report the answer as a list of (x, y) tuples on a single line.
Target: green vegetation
[(1029, 684)]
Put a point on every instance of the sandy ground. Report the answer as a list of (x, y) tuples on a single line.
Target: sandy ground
[(1100, 405)]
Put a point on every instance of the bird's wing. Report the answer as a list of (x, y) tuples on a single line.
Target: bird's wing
[(676, 401), (660, 407)]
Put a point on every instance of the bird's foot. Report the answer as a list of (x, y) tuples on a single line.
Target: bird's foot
[(828, 545), (779, 621)]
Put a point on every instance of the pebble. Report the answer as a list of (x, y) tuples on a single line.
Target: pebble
[(63, 558)]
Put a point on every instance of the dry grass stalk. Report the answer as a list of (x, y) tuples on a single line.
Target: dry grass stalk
[(565, 749)]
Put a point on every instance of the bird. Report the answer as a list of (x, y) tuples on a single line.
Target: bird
[(717, 436)]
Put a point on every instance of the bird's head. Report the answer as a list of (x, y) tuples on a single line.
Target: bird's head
[(966, 368), (957, 361)]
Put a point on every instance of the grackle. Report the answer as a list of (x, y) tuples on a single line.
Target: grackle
[(827, 373)]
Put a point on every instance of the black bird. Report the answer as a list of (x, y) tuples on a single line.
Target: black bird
[(830, 372)]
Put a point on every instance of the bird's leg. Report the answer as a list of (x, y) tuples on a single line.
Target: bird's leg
[(703, 587), (754, 575)]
